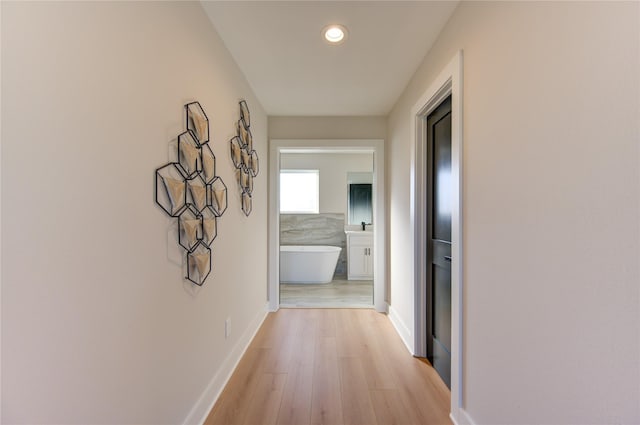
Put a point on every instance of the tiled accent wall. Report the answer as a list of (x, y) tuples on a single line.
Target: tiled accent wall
[(316, 229)]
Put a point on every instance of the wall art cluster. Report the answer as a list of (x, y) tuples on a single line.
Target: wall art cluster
[(244, 157), (190, 190)]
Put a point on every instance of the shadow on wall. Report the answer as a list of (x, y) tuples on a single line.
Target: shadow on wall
[(316, 229)]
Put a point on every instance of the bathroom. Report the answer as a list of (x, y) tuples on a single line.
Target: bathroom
[(326, 252)]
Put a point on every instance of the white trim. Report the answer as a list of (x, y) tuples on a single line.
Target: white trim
[(276, 147), (203, 406), (273, 231), (461, 417), (448, 82), (401, 328), (1, 258)]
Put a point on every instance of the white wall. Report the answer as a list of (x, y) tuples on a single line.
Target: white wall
[(333, 168), (327, 127), (551, 202), (98, 325)]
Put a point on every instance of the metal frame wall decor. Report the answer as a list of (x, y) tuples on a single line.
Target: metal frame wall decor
[(244, 157), (190, 190)]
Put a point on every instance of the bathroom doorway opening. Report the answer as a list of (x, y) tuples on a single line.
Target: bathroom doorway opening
[(326, 229), (320, 252)]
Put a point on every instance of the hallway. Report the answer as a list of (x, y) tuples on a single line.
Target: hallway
[(100, 324), (330, 366)]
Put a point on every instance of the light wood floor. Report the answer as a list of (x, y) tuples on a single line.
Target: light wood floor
[(339, 293), (331, 366)]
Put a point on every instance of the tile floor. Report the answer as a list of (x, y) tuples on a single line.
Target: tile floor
[(340, 293)]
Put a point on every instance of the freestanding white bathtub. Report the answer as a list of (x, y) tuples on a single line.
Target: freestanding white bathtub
[(308, 264)]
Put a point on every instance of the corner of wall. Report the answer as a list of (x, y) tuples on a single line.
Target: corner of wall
[(205, 403)]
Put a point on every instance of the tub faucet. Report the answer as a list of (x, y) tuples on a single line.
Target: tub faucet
[(363, 224)]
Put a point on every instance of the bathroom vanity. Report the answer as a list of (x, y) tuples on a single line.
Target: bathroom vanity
[(359, 255)]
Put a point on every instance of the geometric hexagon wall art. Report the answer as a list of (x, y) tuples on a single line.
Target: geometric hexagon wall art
[(189, 190), (244, 158)]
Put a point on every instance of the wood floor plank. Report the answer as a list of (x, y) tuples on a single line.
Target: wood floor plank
[(420, 399), (351, 342), (295, 408), (284, 343), (326, 322), (378, 368), (419, 387), (232, 404), (265, 404), (326, 402), (331, 367), (357, 408), (389, 409)]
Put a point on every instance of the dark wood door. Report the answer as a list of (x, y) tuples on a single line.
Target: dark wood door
[(438, 259)]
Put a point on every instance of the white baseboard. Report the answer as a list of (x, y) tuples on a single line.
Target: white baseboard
[(461, 417), (203, 406), (402, 329)]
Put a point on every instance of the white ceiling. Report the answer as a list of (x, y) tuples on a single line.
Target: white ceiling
[(278, 46)]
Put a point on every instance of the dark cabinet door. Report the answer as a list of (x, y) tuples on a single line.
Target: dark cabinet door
[(439, 239)]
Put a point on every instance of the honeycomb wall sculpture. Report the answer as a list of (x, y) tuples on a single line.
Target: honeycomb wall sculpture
[(244, 157), (190, 191)]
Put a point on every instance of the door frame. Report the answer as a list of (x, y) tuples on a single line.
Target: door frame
[(448, 82), (374, 146)]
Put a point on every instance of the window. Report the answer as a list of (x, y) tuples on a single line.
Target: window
[(300, 191)]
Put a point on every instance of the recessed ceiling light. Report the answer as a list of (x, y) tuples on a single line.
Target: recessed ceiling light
[(334, 34)]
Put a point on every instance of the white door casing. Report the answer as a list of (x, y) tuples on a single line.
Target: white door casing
[(375, 146), (448, 82)]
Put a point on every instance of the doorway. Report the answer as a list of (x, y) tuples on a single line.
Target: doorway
[(320, 239), (278, 150), (447, 84), (438, 236)]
